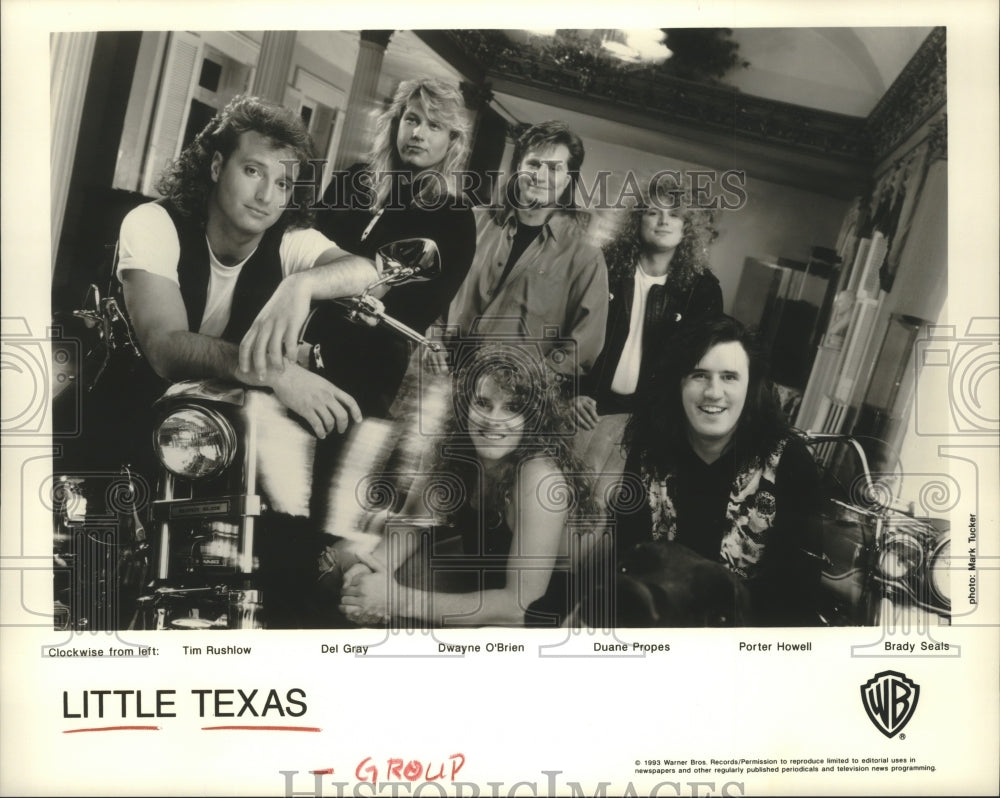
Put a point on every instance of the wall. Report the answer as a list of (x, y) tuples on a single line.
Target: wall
[(322, 68)]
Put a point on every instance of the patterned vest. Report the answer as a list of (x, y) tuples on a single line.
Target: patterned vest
[(750, 513)]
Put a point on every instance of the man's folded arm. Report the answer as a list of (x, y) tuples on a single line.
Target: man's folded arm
[(175, 353), (274, 334)]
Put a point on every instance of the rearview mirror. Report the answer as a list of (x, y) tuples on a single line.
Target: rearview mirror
[(409, 259)]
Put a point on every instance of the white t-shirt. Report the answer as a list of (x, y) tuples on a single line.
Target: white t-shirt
[(148, 241), (626, 377)]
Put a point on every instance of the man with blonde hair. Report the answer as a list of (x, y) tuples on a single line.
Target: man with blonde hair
[(407, 188)]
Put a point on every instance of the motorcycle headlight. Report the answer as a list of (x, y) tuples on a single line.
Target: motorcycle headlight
[(195, 442)]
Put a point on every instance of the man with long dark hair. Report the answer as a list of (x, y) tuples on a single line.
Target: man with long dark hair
[(227, 257), (724, 474), (535, 271)]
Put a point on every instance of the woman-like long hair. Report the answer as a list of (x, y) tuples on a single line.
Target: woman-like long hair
[(657, 431), (547, 432), (690, 259), (443, 102), (187, 182)]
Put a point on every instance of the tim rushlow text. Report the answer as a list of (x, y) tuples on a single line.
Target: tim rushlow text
[(211, 702)]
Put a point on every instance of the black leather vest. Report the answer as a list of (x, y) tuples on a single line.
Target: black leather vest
[(258, 279)]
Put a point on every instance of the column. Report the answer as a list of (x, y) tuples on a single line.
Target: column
[(273, 63), (354, 139), (71, 57)]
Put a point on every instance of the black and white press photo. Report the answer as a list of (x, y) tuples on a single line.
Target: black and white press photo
[(625, 323), (397, 400)]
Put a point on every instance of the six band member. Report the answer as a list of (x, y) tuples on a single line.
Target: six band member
[(724, 475), (407, 189), (534, 267), (220, 258)]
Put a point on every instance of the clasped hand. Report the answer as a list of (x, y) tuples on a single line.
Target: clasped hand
[(320, 403), (269, 349), (586, 412)]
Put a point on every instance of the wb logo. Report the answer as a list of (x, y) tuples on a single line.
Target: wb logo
[(890, 700)]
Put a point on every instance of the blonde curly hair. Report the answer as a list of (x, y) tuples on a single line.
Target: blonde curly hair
[(690, 258)]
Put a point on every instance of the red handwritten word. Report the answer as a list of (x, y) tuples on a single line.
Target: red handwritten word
[(413, 770)]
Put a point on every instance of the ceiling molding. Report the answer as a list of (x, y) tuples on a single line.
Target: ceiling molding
[(915, 96), (834, 152), (666, 99)]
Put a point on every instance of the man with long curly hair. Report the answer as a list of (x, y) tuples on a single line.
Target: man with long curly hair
[(658, 274), (218, 275), (504, 481)]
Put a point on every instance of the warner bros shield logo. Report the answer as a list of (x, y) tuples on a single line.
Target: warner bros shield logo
[(890, 700)]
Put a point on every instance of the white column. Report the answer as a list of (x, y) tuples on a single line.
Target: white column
[(72, 54), (354, 139), (273, 63)]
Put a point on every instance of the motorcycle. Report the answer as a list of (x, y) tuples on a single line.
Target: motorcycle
[(229, 527), (878, 561), (881, 560), (100, 549)]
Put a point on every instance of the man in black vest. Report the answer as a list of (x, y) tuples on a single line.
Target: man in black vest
[(227, 257)]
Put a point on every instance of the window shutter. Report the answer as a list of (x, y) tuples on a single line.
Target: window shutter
[(180, 72)]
